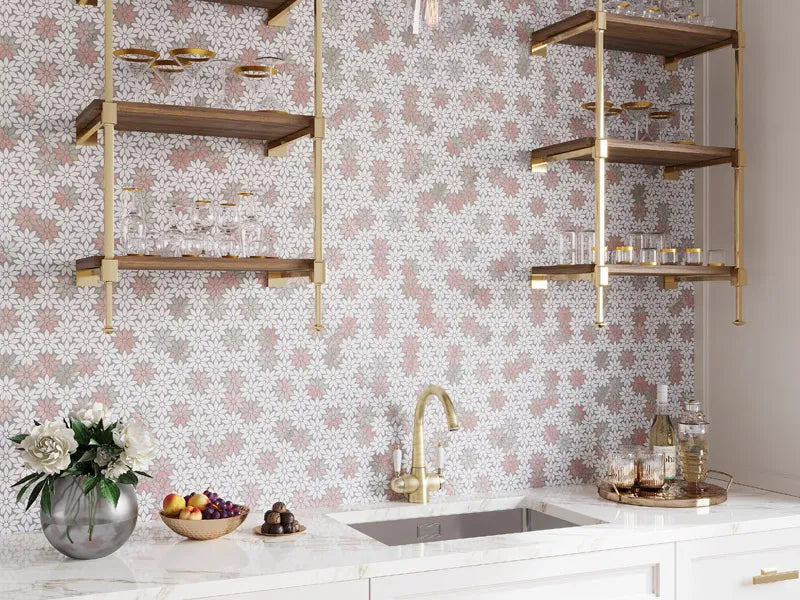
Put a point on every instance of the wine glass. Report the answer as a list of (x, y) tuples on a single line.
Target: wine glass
[(133, 76), (658, 120), (196, 61), (636, 112), (684, 132), (168, 77)]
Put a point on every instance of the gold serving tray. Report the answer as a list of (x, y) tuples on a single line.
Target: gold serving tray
[(678, 495), (257, 531)]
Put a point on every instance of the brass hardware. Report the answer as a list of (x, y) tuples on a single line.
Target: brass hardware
[(108, 116), (601, 148), (278, 149), (86, 2), (601, 271), (319, 275), (277, 280), (772, 576), (540, 48), (738, 176), (670, 283), (319, 128), (741, 40), (318, 166), (538, 282), (109, 270), (601, 21), (420, 482), (600, 277)]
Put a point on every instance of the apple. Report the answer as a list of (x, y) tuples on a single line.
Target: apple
[(173, 504), (191, 513), (199, 501)]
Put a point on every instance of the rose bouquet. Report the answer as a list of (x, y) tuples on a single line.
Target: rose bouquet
[(90, 446)]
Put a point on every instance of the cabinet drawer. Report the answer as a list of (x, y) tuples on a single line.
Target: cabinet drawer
[(724, 567), (629, 574), (344, 590)]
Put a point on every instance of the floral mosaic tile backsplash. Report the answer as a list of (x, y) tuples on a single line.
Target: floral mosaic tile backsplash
[(432, 221)]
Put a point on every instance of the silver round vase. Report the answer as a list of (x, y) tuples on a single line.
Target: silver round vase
[(88, 526)]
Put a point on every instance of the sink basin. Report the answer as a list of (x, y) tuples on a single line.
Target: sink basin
[(399, 532)]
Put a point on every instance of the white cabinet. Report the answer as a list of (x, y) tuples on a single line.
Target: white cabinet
[(724, 567), (344, 590), (629, 574)]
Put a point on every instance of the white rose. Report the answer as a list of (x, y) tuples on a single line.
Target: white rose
[(116, 469), (48, 447), (138, 447), (91, 414)]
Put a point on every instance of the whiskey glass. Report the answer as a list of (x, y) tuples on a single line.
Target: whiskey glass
[(567, 248), (651, 470), (659, 119)]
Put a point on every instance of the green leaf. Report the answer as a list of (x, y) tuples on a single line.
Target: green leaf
[(18, 438), (26, 487), (81, 433), (46, 499), (143, 474), (129, 477), (87, 456), (89, 483), (26, 479), (35, 422), (35, 493), (109, 490)]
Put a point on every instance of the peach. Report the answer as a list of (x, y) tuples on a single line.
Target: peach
[(173, 504), (198, 501), (191, 513)]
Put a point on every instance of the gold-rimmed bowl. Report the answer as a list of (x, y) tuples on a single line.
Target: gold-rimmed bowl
[(205, 529)]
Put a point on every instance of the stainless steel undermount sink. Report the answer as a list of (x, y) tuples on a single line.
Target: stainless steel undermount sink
[(399, 532)]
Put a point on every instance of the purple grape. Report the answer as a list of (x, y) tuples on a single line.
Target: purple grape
[(206, 493), (186, 498), (212, 497), (216, 515), (228, 504)]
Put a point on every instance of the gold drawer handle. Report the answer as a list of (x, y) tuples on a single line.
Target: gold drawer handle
[(772, 576)]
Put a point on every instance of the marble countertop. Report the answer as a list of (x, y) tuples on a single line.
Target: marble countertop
[(156, 563)]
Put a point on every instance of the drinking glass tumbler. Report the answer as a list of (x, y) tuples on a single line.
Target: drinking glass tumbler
[(717, 258), (649, 257), (567, 248), (670, 256), (658, 121), (586, 249), (694, 256), (621, 468), (651, 470), (624, 255)]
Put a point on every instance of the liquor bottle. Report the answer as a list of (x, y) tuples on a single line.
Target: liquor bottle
[(693, 442), (662, 434)]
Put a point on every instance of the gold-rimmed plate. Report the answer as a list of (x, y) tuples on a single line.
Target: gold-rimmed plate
[(257, 531)]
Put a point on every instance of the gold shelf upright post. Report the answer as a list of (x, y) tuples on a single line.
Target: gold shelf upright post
[(738, 172), (600, 278), (109, 265), (319, 274)]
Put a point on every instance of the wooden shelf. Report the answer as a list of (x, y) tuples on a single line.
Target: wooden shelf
[(675, 157), (672, 40), (668, 272), (283, 267), (275, 128), (277, 10)]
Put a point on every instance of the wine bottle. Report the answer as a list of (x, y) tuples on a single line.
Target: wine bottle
[(662, 434)]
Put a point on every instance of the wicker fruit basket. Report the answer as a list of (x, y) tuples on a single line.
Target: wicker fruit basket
[(207, 529)]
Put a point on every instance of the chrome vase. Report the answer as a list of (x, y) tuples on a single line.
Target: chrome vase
[(87, 526)]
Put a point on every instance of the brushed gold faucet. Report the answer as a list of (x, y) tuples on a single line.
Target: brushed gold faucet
[(419, 482)]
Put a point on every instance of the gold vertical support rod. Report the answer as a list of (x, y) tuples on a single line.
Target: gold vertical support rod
[(600, 166), (319, 263), (738, 173), (108, 161)]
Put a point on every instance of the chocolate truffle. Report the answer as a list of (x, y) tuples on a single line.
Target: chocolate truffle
[(276, 529), (274, 518), (265, 528), (279, 507), (287, 518)]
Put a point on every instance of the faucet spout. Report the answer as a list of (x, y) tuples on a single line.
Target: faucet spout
[(418, 454)]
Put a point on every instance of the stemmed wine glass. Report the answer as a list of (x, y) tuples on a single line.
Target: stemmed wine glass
[(636, 112)]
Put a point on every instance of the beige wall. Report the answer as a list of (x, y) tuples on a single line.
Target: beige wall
[(749, 377)]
